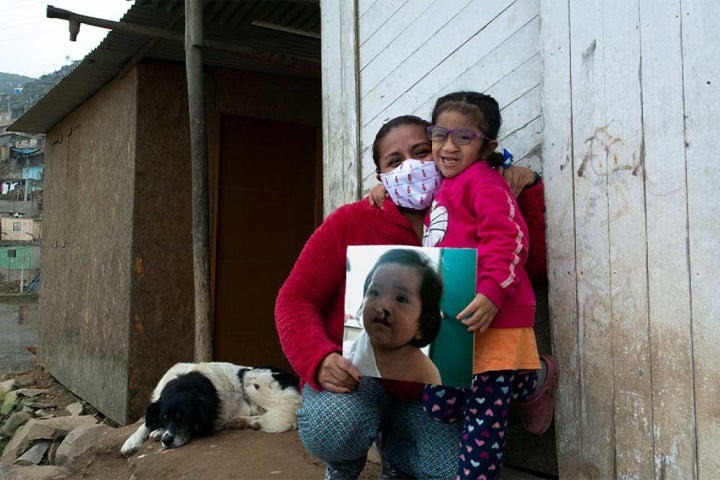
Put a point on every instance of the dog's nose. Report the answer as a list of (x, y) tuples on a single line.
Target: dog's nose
[(167, 439)]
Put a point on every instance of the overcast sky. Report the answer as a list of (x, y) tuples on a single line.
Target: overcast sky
[(33, 45)]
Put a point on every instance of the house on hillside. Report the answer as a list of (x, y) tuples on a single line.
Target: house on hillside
[(614, 102)]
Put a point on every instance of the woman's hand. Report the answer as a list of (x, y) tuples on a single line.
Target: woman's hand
[(377, 195), (478, 314), (337, 374), (518, 178)]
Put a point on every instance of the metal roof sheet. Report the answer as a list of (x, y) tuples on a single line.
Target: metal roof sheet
[(270, 36)]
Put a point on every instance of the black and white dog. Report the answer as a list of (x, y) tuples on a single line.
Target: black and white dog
[(197, 399)]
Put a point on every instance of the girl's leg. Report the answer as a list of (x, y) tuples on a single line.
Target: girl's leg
[(418, 446), (340, 428), (444, 404), (486, 413), (536, 396)]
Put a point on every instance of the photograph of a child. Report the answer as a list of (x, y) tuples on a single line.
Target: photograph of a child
[(394, 309)]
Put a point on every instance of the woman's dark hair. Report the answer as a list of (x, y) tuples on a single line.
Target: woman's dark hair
[(483, 108), (431, 287), (389, 125)]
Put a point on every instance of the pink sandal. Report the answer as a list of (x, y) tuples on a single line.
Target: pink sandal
[(536, 413)]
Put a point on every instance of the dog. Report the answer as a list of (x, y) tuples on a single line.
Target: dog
[(196, 399)]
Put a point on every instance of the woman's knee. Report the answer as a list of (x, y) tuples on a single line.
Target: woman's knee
[(336, 426)]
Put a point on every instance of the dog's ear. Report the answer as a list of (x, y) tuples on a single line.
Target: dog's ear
[(241, 374), (285, 379), (152, 416)]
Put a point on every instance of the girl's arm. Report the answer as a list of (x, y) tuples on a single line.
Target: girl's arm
[(377, 195)]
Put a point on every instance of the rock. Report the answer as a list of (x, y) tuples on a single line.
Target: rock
[(24, 380), (38, 405), (75, 408), (37, 429), (7, 385), (35, 454), (15, 421), (79, 442), (30, 392), (9, 403), (34, 472)]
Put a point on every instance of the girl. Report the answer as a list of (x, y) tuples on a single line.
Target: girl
[(401, 314), (474, 207)]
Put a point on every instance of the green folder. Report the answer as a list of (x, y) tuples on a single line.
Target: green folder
[(452, 350)]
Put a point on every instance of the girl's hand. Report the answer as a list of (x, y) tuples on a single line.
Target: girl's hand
[(518, 178), (337, 374), (377, 195), (478, 314)]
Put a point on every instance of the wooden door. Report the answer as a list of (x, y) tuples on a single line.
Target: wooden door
[(268, 186)]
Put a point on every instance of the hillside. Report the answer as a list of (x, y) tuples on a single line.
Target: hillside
[(33, 89), (8, 81)]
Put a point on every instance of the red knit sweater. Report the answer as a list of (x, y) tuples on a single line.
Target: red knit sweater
[(310, 307)]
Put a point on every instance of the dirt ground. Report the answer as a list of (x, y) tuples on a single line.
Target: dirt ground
[(230, 454)]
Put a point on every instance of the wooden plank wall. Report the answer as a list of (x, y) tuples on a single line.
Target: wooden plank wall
[(412, 52), (630, 110)]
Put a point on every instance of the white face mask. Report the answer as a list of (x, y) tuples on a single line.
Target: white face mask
[(412, 184)]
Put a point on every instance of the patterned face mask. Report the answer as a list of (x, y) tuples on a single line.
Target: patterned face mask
[(412, 184)]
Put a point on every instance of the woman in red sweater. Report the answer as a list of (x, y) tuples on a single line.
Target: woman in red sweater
[(342, 412)]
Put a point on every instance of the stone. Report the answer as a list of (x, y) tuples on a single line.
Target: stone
[(14, 421), (78, 442), (38, 405), (7, 385), (33, 472), (45, 429), (9, 403), (35, 454), (75, 408), (30, 392), (24, 380)]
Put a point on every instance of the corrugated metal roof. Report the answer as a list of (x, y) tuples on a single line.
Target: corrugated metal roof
[(287, 43)]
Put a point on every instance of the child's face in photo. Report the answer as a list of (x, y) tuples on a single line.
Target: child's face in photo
[(391, 312), (452, 159)]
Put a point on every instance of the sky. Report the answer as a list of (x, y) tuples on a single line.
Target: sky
[(33, 45)]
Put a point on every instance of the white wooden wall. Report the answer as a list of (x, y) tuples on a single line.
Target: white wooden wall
[(621, 98), (406, 54), (631, 111)]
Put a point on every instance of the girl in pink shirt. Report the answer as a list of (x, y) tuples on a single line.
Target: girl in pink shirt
[(474, 207)]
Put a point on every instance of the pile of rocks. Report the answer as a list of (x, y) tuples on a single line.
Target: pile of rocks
[(41, 438)]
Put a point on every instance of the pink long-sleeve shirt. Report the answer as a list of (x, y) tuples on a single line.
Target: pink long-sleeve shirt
[(477, 209)]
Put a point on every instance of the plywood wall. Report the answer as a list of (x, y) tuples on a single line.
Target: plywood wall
[(632, 219)]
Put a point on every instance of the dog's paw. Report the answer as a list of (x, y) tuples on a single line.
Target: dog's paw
[(130, 446), (239, 423), (156, 435)]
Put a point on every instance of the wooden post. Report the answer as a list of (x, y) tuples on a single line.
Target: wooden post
[(200, 195)]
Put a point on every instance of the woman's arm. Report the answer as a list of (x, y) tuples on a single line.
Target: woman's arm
[(303, 308)]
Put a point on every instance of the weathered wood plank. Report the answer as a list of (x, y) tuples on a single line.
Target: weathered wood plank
[(558, 170), (340, 104), (666, 204), (701, 76), (441, 31), (597, 452), (482, 68), (620, 139), (473, 67), (383, 28)]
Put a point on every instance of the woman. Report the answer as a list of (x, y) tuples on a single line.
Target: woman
[(342, 412)]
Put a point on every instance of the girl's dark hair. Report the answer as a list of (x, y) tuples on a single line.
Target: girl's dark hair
[(431, 288), (483, 108), (389, 125)]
